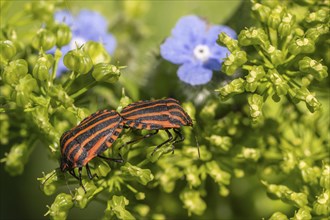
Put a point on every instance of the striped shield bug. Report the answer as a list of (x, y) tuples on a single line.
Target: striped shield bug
[(89, 139), (162, 114)]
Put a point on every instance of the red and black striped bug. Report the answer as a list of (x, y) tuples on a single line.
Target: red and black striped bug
[(162, 114), (89, 139)]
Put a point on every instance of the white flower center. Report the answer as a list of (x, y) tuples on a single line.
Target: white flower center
[(202, 52)]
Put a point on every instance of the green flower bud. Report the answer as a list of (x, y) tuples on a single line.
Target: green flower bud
[(167, 179), (320, 16), (63, 34), (78, 61), (226, 41), (286, 25), (301, 45), (325, 177), (275, 17), (253, 36), (101, 168), (309, 174), (321, 205), (217, 174), (58, 93), (314, 32), (276, 56), (41, 70), (49, 182), (142, 210), (16, 70), (8, 51), (192, 202), (255, 105), (192, 176), (16, 159), (249, 154), (280, 85), (310, 66), (312, 103), (208, 112), (143, 176), (140, 196), (105, 72), (299, 199), (44, 40), (278, 216), (261, 12), (233, 61), (303, 213), (4, 128), (60, 207), (116, 207), (289, 161), (97, 52), (255, 74), (23, 90), (81, 197), (234, 87), (222, 142), (41, 10)]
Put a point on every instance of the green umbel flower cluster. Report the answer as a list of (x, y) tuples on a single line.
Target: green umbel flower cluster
[(243, 146)]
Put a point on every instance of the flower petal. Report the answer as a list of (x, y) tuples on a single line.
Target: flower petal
[(109, 43), (90, 24), (194, 74), (214, 31), (190, 29), (176, 51)]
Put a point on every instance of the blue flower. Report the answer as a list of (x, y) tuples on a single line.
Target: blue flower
[(86, 26), (193, 46)]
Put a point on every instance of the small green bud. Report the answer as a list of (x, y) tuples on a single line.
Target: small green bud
[(275, 17), (253, 36), (226, 41), (280, 85), (301, 45), (44, 40), (140, 196), (16, 70), (278, 216), (249, 154), (255, 74), (314, 32), (192, 176), (168, 178), (143, 176), (143, 210), (4, 127), (303, 213), (325, 177), (255, 105), (60, 207), (299, 199), (97, 52), (320, 16), (233, 61), (261, 12), (193, 202), (8, 51), (276, 56), (321, 205), (310, 66), (105, 72), (286, 25), (234, 87), (63, 34), (49, 182), (208, 112), (78, 61), (81, 197), (217, 174), (41, 10), (16, 159), (23, 90), (41, 70), (58, 93), (312, 103), (116, 207), (101, 168), (222, 142), (309, 174)]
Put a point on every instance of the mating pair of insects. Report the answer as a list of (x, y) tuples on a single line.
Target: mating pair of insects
[(99, 131)]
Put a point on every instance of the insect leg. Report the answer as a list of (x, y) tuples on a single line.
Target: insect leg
[(73, 174), (170, 138), (178, 132), (139, 139), (111, 159), (80, 179), (89, 173)]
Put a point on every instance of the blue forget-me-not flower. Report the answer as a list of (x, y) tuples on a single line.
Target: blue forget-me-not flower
[(86, 26), (193, 46)]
